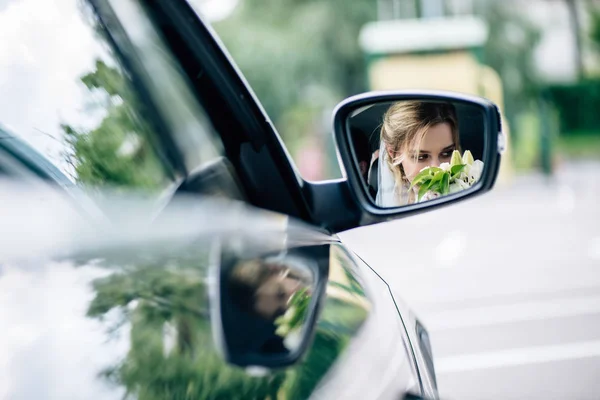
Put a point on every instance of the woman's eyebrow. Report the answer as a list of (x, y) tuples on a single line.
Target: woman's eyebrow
[(449, 147)]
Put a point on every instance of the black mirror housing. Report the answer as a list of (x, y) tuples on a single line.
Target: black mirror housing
[(366, 209), (265, 306)]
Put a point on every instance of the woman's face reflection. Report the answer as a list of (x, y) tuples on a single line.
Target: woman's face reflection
[(265, 288), (272, 296), (435, 148)]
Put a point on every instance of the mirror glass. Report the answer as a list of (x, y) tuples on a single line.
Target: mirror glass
[(412, 151), (266, 303)]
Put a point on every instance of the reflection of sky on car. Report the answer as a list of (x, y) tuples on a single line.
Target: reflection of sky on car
[(45, 333), (50, 349), (40, 67), (40, 88)]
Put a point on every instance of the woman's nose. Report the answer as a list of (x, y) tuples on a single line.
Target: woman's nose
[(434, 162)]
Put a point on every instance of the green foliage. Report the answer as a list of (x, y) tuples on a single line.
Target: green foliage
[(577, 105), (295, 316), (594, 33), (165, 293), (355, 287), (297, 69), (300, 56), (424, 188), (427, 175), (148, 374), (455, 170), (118, 151), (526, 151), (509, 50), (578, 145), (152, 298), (338, 320), (325, 349), (438, 180), (445, 184)]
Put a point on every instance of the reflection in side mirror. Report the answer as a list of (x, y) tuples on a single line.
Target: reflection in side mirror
[(277, 292), (397, 150), (411, 151), (267, 306)]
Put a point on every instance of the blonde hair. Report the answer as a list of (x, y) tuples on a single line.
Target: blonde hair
[(404, 126)]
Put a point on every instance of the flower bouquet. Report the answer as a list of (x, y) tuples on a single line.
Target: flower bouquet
[(461, 173), (289, 325)]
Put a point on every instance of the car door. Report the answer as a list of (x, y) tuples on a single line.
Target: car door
[(127, 313), (251, 145), (256, 160)]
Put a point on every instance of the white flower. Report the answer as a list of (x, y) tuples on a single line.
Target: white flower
[(289, 313), (467, 158), (430, 195), (464, 174), (456, 158), (475, 171), (455, 187), (293, 339), (462, 184), (282, 330), (445, 166)]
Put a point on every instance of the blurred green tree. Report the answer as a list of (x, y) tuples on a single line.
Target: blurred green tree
[(118, 151), (153, 299), (594, 31), (159, 303), (300, 56), (509, 50), (169, 303)]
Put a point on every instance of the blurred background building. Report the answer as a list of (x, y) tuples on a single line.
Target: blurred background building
[(537, 59), (506, 283)]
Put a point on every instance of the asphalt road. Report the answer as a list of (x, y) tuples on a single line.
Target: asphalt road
[(508, 285)]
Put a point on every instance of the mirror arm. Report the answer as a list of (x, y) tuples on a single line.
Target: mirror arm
[(331, 205)]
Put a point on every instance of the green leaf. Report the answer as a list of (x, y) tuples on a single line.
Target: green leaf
[(430, 188), (424, 189), (419, 180), (435, 188), (456, 169), (438, 176), (424, 175), (421, 176), (445, 184)]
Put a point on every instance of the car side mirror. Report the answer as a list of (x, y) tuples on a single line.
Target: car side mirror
[(265, 306), (406, 151)]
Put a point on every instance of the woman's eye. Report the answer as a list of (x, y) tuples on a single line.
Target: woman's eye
[(446, 155), (280, 294), (423, 157)]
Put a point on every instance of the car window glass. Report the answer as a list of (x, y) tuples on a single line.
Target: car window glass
[(66, 92), (162, 77)]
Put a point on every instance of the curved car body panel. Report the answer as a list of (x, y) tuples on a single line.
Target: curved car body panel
[(132, 317), (101, 311)]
